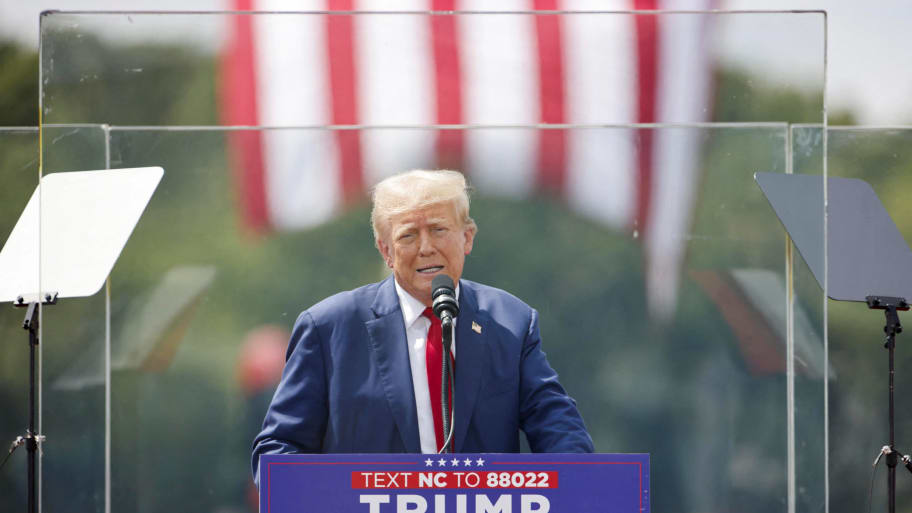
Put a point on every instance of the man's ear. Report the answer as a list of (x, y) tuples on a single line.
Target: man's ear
[(385, 252), (469, 240)]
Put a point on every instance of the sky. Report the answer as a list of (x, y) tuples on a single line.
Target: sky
[(868, 45), (868, 52)]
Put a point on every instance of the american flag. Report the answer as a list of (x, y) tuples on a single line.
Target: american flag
[(511, 93)]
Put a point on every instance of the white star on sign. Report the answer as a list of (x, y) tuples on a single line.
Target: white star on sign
[(428, 462), (468, 462), (479, 462), (455, 462), (441, 462)]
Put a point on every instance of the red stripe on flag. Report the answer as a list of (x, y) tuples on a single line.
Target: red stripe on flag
[(448, 84), (343, 86), (647, 39), (552, 144), (239, 107)]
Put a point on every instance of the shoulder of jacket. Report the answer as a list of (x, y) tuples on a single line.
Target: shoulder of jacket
[(354, 303)]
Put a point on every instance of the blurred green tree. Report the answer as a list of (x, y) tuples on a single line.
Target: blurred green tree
[(18, 86)]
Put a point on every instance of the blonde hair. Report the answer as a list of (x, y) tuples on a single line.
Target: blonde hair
[(417, 189)]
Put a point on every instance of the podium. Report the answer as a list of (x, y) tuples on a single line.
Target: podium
[(454, 483)]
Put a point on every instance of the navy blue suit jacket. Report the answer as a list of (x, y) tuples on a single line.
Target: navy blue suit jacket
[(347, 383)]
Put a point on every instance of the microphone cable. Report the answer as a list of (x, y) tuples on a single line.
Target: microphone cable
[(884, 450), (13, 446), (452, 414)]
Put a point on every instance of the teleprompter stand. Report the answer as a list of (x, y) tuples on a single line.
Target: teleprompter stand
[(866, 259), (67, 240), (32, 438), (891, 306)]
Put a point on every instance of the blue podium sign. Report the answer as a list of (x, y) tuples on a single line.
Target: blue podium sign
[(454, 483)]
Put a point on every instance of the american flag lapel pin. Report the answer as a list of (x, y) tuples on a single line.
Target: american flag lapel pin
[(476, 327)]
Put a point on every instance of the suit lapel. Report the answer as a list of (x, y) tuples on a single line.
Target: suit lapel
[(471, 358), (390, 354)]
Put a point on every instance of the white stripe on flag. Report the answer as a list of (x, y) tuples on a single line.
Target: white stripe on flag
[(395, 86), (601, 87), (302, 184), (501, 86), (683, 89), (598, 5)]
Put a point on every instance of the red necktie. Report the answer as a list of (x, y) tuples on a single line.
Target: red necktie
[(433, 351)]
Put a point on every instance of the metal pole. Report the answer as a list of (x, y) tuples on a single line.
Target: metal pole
[(31, 439), (445, 343), (30, 444), (891, 458)]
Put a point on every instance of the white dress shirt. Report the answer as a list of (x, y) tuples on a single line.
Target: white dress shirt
[(416, 329)]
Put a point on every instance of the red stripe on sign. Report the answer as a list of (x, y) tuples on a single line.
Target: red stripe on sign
[(239, 107), (647, 72), (342, 83), (463, 478), (448, 83), (552, 144)]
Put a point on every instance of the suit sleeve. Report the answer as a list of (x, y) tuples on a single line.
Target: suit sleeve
[(548, 415), (296, 419)]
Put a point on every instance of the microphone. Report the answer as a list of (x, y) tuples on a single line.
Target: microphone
[(443, 293), (444, 303)]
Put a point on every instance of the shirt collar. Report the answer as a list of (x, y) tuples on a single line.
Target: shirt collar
[(411, 307)]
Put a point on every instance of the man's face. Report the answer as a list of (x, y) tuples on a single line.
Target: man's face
[(423, 243)]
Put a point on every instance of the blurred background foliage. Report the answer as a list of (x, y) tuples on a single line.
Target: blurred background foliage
[(684, 391)]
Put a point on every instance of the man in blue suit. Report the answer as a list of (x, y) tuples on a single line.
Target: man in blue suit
[(356, 373)]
